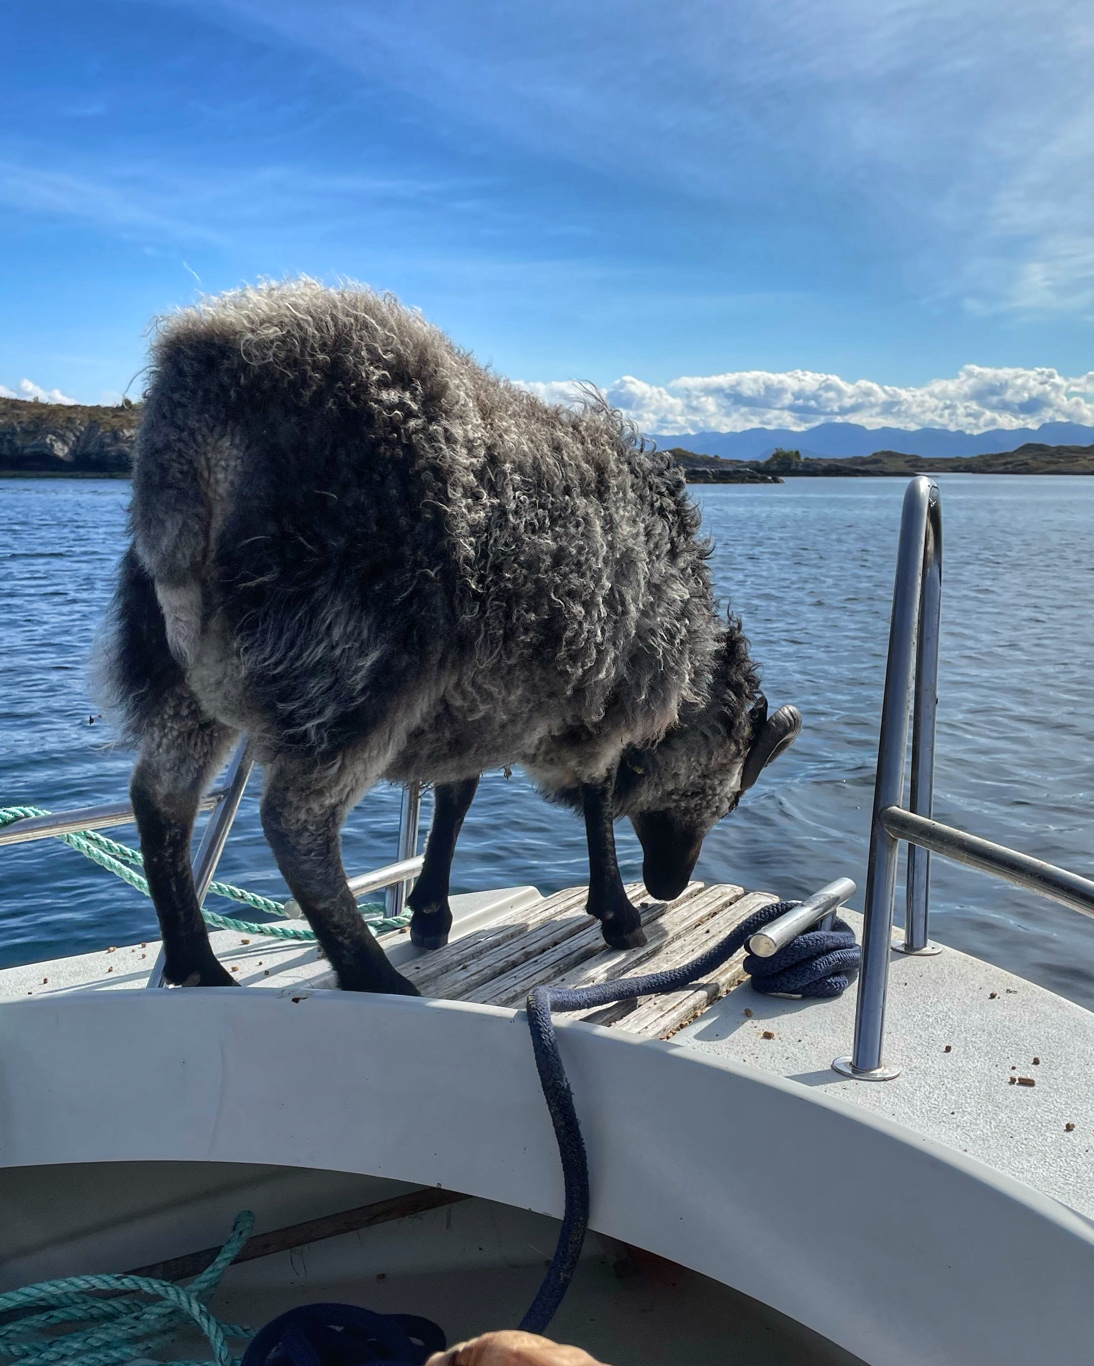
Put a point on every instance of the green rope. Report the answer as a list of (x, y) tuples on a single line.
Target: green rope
[(121, 860), (122, 1327)]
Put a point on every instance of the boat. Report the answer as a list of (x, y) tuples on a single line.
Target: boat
[(898, 1175)]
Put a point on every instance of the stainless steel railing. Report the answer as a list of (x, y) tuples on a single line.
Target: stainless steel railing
[(409, 815), (84, 818), (224, 802), (911, 687)]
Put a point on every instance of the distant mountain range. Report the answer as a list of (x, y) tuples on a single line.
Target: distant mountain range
[(842, 439)]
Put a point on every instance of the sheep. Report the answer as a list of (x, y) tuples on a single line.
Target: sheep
[(380, 560)]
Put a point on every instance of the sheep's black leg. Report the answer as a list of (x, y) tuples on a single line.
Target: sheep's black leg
[(181, 749), (302, 812), (432, 918), (620, 922)]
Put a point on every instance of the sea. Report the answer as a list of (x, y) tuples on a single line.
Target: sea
[(808, 565)]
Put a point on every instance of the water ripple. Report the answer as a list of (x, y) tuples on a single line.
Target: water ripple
[(809, 566)]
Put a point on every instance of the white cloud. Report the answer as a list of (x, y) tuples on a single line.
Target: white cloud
[(976, 399), (27, 389)]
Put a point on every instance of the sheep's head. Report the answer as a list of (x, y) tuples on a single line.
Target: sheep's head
[(675, 791)]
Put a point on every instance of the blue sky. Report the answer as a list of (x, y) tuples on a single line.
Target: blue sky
[(834, 204)]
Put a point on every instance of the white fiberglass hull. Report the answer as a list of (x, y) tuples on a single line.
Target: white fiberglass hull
[(901, 1250)]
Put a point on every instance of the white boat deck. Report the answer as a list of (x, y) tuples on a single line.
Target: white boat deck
[(963, 1032)]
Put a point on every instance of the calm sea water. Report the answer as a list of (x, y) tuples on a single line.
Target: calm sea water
[(809, 566)]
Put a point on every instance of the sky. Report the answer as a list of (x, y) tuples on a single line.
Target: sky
[(726, 214)]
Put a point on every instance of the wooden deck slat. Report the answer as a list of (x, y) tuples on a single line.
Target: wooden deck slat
[(566, 955), (556, 942), (679, 917), (450, 971), (657, 1017), (683, 934), (455, 971)]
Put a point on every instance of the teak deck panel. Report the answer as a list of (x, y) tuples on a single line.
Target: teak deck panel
[(557, 943)]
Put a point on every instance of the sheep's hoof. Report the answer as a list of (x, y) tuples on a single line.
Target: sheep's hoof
[(427, 941), (210, 975), (632, 939), (397, 985), (430, 924), (390, 984)]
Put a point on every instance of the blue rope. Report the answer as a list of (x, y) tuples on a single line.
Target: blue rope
[(344, 1335), (820, 963)]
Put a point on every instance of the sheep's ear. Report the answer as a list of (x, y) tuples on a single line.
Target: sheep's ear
[(771, 736)]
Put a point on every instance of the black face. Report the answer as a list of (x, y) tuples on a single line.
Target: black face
[(670, 847), (671, 843)]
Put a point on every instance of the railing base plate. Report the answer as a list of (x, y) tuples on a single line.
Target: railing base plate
[(846, 1068), (929, 950)]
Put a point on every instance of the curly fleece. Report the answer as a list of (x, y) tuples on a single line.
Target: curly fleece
[(353, 541)]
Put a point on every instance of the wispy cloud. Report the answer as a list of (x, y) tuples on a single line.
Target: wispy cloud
[(27, 389), (135, 199), (976, 399), (623, 188), (175, 205), (962, 133)]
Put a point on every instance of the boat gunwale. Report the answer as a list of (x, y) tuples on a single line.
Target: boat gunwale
[(837, 1175)]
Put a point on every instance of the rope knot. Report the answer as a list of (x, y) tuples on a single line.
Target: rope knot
[(818, 963)]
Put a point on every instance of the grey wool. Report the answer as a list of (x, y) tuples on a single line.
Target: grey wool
[(381, 560)]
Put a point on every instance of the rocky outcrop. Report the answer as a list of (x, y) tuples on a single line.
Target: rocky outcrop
[(712, 469), (55, 438)]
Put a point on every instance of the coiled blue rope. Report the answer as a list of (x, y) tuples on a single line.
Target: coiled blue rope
[(819, 963), (344, 1335)]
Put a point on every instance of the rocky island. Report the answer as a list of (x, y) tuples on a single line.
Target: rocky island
[(1032, 458), (77, 440), (66, 438), (712, 469)]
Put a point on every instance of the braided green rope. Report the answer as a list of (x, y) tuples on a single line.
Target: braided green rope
[(121, 860), (124, 1328)]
